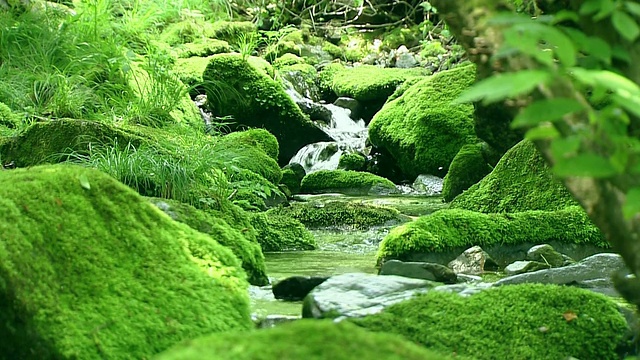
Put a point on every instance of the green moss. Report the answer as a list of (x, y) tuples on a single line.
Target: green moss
[(351, 161), (339, 214), (260, 102), (254, 150), (421, 129), (343, 181), (291, 180), (252, 191), (334, 50), (520, 181), (260, 138), (467, 168), (247, 250), (203, 47), (433, 48), (8, 118), (366, 82), (89, 269), (450, 229), (527, 321), (286, 60), (281, 233), (303, 339), (186, 31), (231, 31), (48, 141), (401, 36)]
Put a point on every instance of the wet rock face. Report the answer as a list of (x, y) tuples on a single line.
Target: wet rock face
[(419, 270), (295, 288), (474, 261)]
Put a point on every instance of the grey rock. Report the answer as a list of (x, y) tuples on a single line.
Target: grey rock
[(473, 261), (378, 189), (359, 294), (315, 111), (545, 253), (428, 185), (597, 266), (521, 267), (465, 278), (351, 104), (295, 288), (419, 270), (464, 289), (270, 321), (406, 61)]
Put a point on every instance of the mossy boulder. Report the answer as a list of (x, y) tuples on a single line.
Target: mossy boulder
[(456, 229), (246, 249), (339, 214), (303, 339), (287, 60), (421, 129), (520, 181), (352, 161), (260, 138), (253, 150), (202, 48), (89, 269), (344, 182), (291, 180), (302, 77), (260, 102), (277, 232), (467, 168), (50, 141), (532, 321)]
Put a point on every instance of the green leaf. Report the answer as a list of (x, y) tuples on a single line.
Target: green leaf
[(590, 7), (606, 8), (542, 132), (625, 25), (606, 79), (560, 43), (584, 165), (564, 15), (621, 53), (503, 86), (561, 147), (632, 7), (545, 110), (84, 182), (632, 204)]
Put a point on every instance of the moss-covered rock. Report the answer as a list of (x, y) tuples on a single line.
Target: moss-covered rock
[(260, 138), (89, 269), (344, 182), (303, 339), (202, 48), (421, 129), (450, 229), (49, 141), (287, 60), (352, 161), (260, 102), (339, 214), (232, 31), (255, 150), (532, 321), (291, 180), (302, 77), (520, 181), (277, 232), (8, 118), (247, 250), (467, 168), (193, 30)]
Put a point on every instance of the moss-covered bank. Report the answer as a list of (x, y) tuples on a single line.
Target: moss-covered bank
[(450, 229), (344, 182), (531, 321), (90, 269), (303, 339), (520, 181), (276, 232), (421, 129)]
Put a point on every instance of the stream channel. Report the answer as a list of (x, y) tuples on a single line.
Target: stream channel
[(339, 250)]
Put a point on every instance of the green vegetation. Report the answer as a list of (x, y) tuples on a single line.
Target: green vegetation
[(450, 229), (261, 102), (277, 232), (520, 181), (287, 60), (208, 222), (421, 129), (315, 340), (291, 180), (467, 168), (344, 182), (339, 214), (259, 138), (352, 161), (90, 269), (530, 321)]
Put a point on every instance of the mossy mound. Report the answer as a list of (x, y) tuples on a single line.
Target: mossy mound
[(339, 214), (302, 339), (520, 181), (366, 83), (467, 168), (260, 138), (202, 48), (50, 141), (281, 233), (291, 180), (421, 129), (287, 60), (450, 229), (352, 161), (253, 150), (260, 102), (247, 250), (343, 182), (89, 269), (530, 321)]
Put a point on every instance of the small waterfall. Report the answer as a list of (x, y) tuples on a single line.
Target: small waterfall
[(349, 136)]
